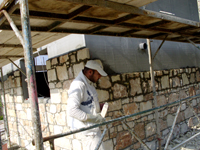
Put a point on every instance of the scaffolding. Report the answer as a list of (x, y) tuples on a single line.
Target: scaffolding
[(25, 40)]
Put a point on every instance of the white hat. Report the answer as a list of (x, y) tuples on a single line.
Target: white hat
[(93, 64)]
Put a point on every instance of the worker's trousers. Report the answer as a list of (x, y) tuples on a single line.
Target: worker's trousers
[(90, 142)]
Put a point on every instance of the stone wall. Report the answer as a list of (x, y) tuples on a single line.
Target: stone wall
[(126, 94)]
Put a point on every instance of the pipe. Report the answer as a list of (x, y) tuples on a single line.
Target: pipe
[(114, 120), (13, 26), (172, 128), (100, 141), (32, 89), (154, 92), (160, 46), (17, 67), (5, 110)]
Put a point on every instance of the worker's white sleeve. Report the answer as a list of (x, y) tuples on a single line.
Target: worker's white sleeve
[(74, 100)]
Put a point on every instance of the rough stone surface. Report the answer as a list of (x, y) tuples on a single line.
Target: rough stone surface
[(185, 79), (62, 72), (83, 54), (51, 75), (103, 95), (150, 129), (135, 87), (165, 82), (145, 105), (54, 61), (123, 140), (104, 82), (55, 95), (119, 91), (115, 78), (116, 105), (161, 100), (77, 68), (130, 108), (48, 64), (63, 58)]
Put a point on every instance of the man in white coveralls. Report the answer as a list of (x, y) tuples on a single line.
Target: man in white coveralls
[(83, 107)]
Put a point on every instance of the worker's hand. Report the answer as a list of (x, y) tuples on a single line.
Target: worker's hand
[(95, 118)]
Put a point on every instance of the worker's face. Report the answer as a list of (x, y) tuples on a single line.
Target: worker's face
[(95, 76)]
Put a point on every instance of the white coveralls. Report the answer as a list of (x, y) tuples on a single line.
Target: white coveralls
[(83, 100)]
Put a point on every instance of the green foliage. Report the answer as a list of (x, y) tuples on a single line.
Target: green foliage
[(1, 117)]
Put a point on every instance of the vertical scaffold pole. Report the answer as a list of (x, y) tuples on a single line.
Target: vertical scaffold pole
[(32, 89), (154, 92), (5, 110)]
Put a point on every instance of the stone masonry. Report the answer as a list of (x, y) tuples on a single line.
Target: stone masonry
[(126, 94)]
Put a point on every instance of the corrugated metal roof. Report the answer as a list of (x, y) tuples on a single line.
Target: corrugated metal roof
[(52, 19)]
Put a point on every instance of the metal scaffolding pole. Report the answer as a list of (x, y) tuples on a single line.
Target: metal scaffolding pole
[(5, 110), (32, 89), (154, 91)]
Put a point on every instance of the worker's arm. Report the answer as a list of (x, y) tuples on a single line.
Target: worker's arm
[(74, 100)]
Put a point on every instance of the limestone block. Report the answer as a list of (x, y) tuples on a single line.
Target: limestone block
[(52, 85), (145, 105), (161, 100), (51, 75), (55, 95), (119, 91), (64, 97), (140, 130), (50, 118), (192, 78), (17, 73), (130, 108), (159, 73), (103, 95), (185, 79), (54, 61), (22, 115), (62, 72), (175, 82), (163, 113), (135, 86), (116, 105), (192, 91), (48, 64), (59, 85), (71, 74), (170, 119), (104, 82), (125, 101), (188, 113), (29, 116), (152, 145), (165, 82), (72, 58), (77, 68), (76, 144), (63, 58), (180, 117), (66, 84), (83, 54), (115, 78), (60, 118), (19, 91), (138, 98), (182, 94), (184, 128), (123, 140), (108, 144), (150, 129), (18, 106), (198, 76), (63, 143), (53, 109), (17, 82), (173, 97)]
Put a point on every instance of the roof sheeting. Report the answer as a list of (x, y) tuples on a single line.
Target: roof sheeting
[(51, 20)]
